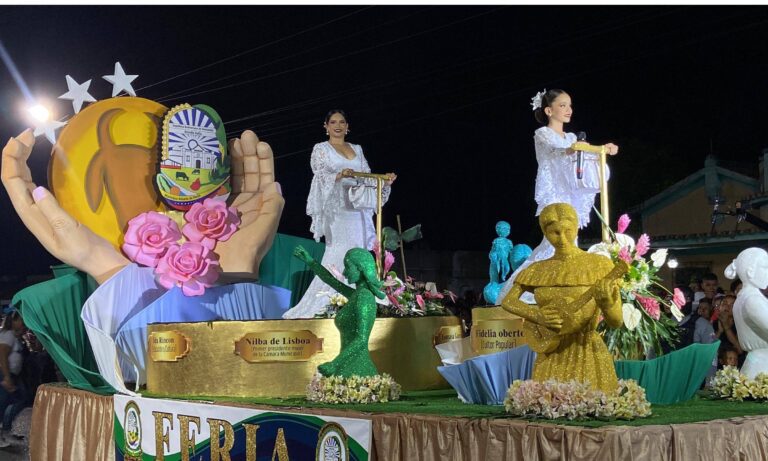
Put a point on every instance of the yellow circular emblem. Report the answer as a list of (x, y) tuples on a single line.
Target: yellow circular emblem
[(103, 165)]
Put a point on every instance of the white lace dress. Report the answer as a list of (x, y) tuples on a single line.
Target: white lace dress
[(334, 218), (556, 182)]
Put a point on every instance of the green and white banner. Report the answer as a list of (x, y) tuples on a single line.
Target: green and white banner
[(175, 430)]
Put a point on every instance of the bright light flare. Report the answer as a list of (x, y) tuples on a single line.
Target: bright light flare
[(39, 113), (672, 263)]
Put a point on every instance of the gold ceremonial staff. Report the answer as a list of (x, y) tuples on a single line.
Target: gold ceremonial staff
[(604, 210), (380, 178)]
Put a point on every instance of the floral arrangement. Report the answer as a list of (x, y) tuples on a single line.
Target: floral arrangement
[(335, 302), (412, 299), (407, 298), (353, 389), (575, 400), (730, 384), (645, 324), (183, 258)]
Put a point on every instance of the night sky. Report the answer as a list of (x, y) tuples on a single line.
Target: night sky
[(438, 94)]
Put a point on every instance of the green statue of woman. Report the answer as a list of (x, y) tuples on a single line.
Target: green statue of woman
[(355, 319)]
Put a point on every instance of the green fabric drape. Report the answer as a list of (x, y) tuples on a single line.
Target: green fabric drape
[(280, 268), (671, 378), (51, 309)]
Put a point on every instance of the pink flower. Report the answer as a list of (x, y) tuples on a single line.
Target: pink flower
[(651, 306), (377, 249), (625, 256), (209, 222), (623, 223), (148, 237), (192, 266), (678, 298), (420, 301), (394, 302), (335, 272), (643, 245), (431, 295), (389, 259)]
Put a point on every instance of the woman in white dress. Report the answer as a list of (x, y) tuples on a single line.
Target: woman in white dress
[(345, 223), (556, 178)]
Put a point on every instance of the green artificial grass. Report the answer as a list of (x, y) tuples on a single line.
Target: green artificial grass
[(446, 403)]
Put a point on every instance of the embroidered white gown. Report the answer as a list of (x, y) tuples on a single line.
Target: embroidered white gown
[(334, 218), (556, 182)]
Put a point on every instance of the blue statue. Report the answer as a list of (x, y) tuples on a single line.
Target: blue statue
[(505, 258), (501, 253)]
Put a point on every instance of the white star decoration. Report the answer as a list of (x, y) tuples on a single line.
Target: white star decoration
[(78, 93), (48, 128), (120, 81)]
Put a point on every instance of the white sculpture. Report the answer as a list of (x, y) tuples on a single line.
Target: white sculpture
[(750, 312)]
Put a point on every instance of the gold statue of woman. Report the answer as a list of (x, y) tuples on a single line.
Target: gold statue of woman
[(572, 290)]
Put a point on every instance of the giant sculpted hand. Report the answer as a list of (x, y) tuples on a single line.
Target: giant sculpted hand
[(258, 199), (60, 234), (256, 195)]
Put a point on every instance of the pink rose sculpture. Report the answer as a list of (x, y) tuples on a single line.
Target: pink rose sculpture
[(148, 237), (209, 222), (191, 265)]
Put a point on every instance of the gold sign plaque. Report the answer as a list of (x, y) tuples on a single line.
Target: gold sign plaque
[(168, 346), (447, 333), (213, 357), (278, 346), (490, 336)]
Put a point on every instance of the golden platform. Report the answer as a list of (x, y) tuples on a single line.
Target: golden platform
[(277, 358)]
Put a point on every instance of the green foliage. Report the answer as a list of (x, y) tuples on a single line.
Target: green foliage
[(634, 344), (393, 239)]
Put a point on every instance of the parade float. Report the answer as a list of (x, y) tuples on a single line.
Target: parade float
[(179, 351)]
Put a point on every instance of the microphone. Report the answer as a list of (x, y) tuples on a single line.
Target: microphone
[(580, 136)]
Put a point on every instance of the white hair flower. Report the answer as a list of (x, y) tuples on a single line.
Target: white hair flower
[(536, 100)]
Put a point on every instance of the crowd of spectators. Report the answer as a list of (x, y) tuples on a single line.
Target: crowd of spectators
[(24, 365)]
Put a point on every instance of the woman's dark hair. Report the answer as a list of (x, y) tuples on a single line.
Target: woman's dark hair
[(546, 101), (336, 111), (736, 282)]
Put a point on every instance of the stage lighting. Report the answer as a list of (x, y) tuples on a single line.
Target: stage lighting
[(672, 263), (39, 113)]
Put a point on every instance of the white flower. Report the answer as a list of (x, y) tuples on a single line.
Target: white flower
[(631, 316), (625, 241), (536, 100), (659, 257), (338, 300), (675, 311), (602, 248)]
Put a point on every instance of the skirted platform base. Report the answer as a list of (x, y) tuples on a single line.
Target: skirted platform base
[(70, 424)]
